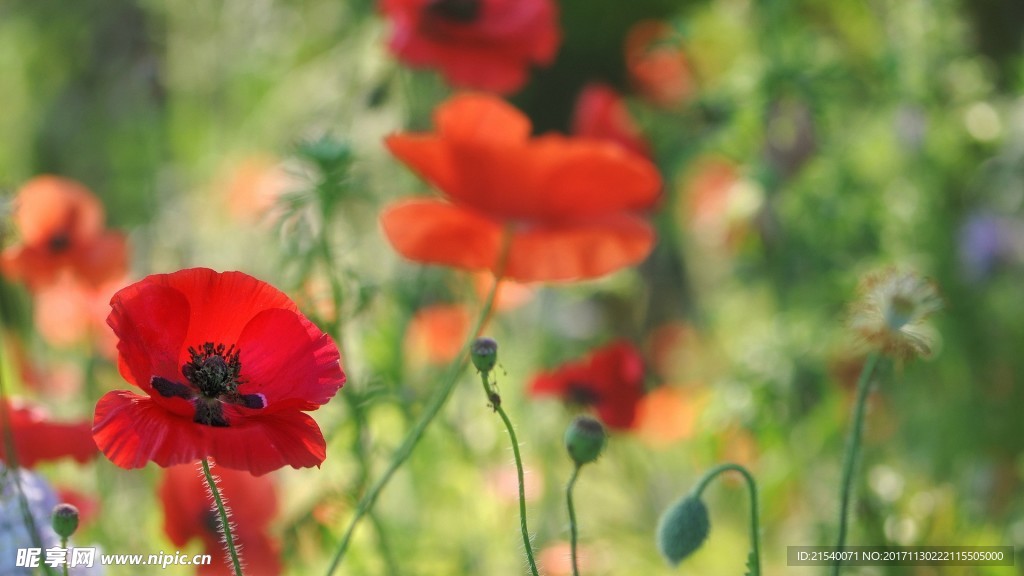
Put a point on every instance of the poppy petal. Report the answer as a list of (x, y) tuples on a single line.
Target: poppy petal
[(427, 156), (481, 120), (132, 430), (438, 233), (37, 440), (220, 303), (288, 360), (574, 251), (591, 177), (150, 321)]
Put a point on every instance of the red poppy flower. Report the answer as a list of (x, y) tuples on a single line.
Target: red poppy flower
[(610, 380), (568, 203), (189, 514), (61, 227), (483, 44), (657, 64), (601, 113), (36, 439), (228, 365)]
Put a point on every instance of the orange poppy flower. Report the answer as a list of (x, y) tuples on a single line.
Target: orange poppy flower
[(61, 226), (568, 204)]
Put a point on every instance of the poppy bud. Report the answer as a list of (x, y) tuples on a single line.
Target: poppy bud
[(65, 520), (585, 440), (683, 528), (484, 353)]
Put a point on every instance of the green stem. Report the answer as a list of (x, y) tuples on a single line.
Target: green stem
[(852, 448), (495, 400), (572, 518), (755, 547), (437, 401), (225, 526), (64, 545)]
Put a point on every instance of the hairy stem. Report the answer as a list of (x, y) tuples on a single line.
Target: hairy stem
[(225, 526), (495, 400)]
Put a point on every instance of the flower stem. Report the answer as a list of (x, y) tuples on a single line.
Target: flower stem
[(225, 526), (64, 545), (572, 518), (852, 447), (754, 562), (437, 401), (495, 400)]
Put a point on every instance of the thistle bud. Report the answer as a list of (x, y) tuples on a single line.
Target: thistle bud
[(484, 353), (65, 520), (585, 439), (683, 528)]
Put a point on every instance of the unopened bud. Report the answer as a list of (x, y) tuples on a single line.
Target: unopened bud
[(683, 528), (585, 439), (484, 353), (65, 520)]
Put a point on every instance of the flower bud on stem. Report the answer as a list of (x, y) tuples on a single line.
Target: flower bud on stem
[(484, 353), (684, 526), (584, 441)]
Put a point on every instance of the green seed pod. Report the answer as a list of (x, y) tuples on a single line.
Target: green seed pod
[(484, 353), (65, 520), (585, 439), (683, 528)]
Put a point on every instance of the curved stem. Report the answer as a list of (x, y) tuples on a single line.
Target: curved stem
[(755, 547), (572, 518), (496, 404), (225, 526), (437, 401), (852, 447)]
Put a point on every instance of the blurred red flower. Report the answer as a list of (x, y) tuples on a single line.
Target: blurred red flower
[(482, 44), (601, 113), (189, 514), (568, 203), (229, 366), (61, 227), (37, 439), (657, 65), (610, 380)]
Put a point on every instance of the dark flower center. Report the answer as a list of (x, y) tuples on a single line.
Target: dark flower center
[(213, 375), (582, 394), (213, 369), (59, 242), (461, 11)]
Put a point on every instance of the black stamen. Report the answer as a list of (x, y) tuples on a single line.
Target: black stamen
[(461, 11), (169, 389), (210, 412), (582, 394)]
